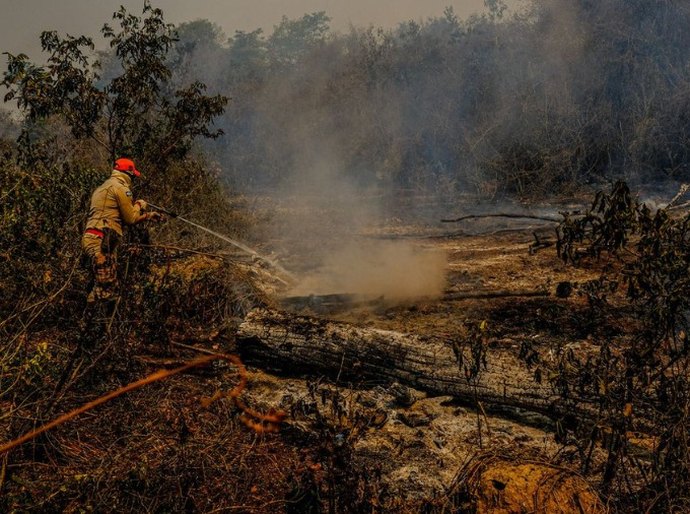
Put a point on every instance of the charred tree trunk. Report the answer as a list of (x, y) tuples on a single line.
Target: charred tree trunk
[(298, 344)]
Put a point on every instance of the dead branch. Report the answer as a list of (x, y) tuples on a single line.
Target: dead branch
[(501, 215), (539, 244), (678, 207), (195, 348), (681, 192), (331, 301), (493, 294)]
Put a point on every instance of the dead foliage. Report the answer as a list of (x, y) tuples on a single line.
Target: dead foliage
[(339, 481), (59, 353), (640, 380), (605, 227), (152, 450), (253, 419)]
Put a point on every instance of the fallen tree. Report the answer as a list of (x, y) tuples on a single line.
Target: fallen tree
[(297, 344)]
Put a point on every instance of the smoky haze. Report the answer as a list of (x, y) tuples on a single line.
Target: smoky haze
[(22, 21), (347, 125), (563, 94), (322, 217), (318, 178)]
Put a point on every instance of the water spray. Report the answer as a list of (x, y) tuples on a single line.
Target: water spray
[(233, 242)]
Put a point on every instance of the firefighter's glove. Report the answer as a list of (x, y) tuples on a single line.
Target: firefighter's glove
[(155, 216), (142, 204)]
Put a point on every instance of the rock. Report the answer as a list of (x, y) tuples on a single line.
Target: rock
[(500, 486)]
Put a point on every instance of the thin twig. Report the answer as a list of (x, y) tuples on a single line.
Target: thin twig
[(11, 190), (119, 298), (43, 304), (3, 471), (195, 348), (486, 418)]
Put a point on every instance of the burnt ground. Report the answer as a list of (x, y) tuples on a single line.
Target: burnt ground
[(344, 447), (426, 444)]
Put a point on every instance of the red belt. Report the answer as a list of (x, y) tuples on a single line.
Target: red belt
[(95, 232)]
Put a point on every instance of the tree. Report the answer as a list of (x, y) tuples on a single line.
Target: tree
[(292, 39), (247, 56), (199, 53), (133, 114)]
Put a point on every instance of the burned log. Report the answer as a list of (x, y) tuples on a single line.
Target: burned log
[(304, 345), (330, 303), (502, 215), (501, 293)]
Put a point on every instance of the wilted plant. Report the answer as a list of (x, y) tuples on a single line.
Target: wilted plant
[(639, 383)]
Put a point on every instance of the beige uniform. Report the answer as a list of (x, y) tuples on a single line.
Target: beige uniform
[(112, 205)]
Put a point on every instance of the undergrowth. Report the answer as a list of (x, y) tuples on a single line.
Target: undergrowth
[(638, 381)]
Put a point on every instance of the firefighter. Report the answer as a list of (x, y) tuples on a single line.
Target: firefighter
[(112, 205)]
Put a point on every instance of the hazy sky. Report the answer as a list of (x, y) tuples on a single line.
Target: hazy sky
[(22, 21)]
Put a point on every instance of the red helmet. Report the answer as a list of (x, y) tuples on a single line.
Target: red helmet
[(127, 166)]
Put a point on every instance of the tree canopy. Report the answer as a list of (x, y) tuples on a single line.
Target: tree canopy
[(134, 112)]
